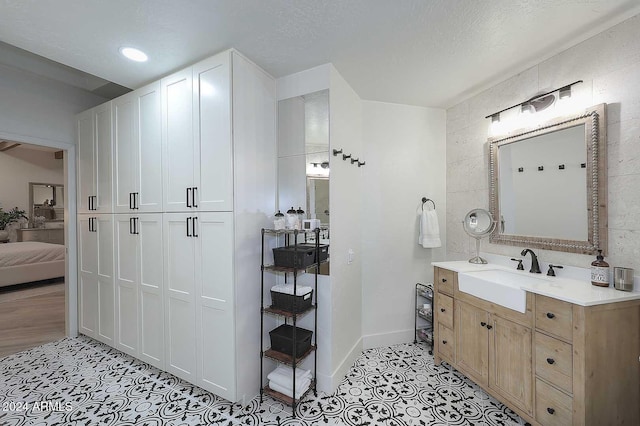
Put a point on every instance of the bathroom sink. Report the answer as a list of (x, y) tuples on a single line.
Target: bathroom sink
[(498, 286)]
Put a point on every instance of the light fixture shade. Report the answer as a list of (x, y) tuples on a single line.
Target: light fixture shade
[(526, 108), (564, 92), (543, 102), (495, 118)]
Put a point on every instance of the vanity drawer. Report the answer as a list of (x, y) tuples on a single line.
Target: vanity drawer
[(446, 343), (444, 307), (444, 280), (552, 406), (554, 361), (554, 316)]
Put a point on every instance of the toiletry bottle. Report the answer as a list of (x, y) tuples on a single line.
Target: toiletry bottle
[(278, 221), (301, 216), (292, 219), (600, 271)]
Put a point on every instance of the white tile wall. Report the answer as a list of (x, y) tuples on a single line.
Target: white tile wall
[(609, 64)]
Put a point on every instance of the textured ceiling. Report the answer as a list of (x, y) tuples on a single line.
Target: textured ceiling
[(420, 52)]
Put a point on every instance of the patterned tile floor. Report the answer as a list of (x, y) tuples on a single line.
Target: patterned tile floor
[(82, 382)]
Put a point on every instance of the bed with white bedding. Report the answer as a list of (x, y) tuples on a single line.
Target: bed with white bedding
[(30, 261)]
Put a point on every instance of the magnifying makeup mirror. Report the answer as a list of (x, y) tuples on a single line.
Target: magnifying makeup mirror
[(478, 223)]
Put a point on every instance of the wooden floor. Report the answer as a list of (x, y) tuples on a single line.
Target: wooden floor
[(31, 315)]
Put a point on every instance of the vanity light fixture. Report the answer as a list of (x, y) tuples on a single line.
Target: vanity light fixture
[(134, 54), (538, 102), (526, 108)]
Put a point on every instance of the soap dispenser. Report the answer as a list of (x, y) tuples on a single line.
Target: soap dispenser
[(600, 271)]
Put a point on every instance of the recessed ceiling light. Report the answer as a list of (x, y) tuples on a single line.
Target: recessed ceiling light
[(134, 54)]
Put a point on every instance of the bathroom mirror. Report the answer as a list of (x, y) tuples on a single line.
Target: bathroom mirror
[(478, 223), (46, 200), (548, 185)]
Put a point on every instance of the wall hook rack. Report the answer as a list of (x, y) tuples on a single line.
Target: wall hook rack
[(345, 156), (361, 163), (336, 152), (355, 160), (425, 199)]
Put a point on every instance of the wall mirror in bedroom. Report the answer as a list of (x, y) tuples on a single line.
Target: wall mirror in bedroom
[(303, 157), (549, 184), (46, 200)]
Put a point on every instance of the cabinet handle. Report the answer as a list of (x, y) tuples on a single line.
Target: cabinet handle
[(131, 231), (550, 410), (93, 202), (550, 315), (131, 201), (195, 222), (489, 327), (90, 224), (483, 323), (444, 342), (551, 361), (136, 202), (442, 309), (188, 197), (444, 280), (193, 196), (89, 202), (136, 226), (188, 221)]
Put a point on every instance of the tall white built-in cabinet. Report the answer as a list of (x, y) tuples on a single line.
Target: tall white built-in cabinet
[(178, 177)]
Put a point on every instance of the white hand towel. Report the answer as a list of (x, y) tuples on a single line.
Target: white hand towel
[(283, 376), (288, 289), (429, 229), (276, 387)]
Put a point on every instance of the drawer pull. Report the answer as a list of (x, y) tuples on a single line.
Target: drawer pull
[(550, 410), (489, 327), (444, 280), (483, 323), (444, 342), (551, 360), (550, 315), (442, 309)]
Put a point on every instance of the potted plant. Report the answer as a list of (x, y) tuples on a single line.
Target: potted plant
[(6, 218)]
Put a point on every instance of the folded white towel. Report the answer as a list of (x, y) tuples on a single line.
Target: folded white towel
[(283, 376), (288, 289), (429, 229), (276, 387)]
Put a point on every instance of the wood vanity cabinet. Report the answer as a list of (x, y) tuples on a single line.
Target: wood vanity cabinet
[(556, 364)]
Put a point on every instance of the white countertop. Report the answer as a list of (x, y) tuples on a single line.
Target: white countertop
[(571, 290)]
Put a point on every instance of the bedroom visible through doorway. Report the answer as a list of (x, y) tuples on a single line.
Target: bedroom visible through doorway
[(33, 217)]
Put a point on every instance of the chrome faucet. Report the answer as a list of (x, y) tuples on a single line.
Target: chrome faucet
[(535, 267)]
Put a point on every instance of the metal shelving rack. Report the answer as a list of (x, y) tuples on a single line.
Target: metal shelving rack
[(424, 332), (283, 358)]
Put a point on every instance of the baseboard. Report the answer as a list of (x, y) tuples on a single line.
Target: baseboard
[(329, 384), (387, 339)]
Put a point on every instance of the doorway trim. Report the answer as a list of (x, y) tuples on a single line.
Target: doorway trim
[(71, 245)]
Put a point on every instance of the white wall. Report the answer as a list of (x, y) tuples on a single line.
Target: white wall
[(404, 147), (37, 107), (609, 64), (345, 193), (21, 165)]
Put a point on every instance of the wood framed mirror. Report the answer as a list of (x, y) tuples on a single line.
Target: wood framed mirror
[(548, 185)]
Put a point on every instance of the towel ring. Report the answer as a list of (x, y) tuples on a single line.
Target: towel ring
[(425, 199)]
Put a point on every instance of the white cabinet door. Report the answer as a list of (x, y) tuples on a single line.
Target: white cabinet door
[(86, 159), (87, 275), (137, 168), (126, 281), (179, 151), (212, 107), (215, 307), (124, 152), (150, 288), (103, 152), (180, 312), (103, 225), (149, 149)]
